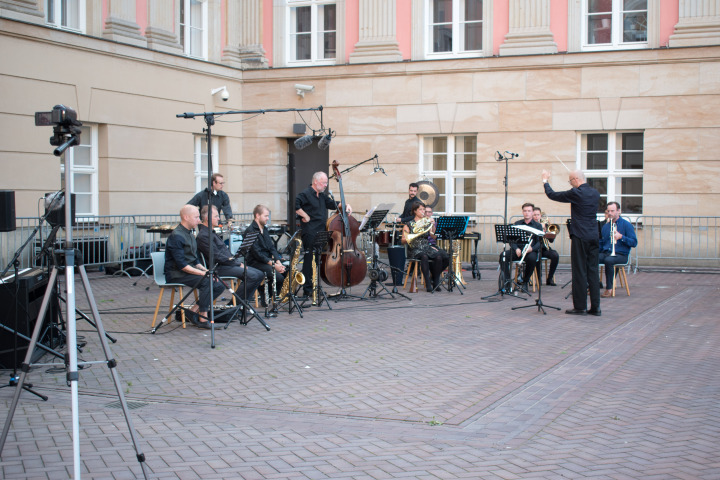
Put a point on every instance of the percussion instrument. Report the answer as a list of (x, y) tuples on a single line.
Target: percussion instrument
[(383, 237)]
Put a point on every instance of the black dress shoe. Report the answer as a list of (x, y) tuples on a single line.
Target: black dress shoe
[(550, 283), (195, 320), (573, 311), (594, 311)]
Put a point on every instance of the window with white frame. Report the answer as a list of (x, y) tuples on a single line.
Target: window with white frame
[(613, 164), (194, 27), (615, 24), (454, 27), (450, 162), (66, 14), (84, 179), (201, 160), (312, 32)]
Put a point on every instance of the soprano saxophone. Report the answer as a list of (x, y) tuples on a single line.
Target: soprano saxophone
[(314, 281)]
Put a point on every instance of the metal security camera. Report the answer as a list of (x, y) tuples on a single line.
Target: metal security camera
[(301, 89), (223, 91)]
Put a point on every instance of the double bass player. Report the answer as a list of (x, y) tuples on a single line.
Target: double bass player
[(312, 205)]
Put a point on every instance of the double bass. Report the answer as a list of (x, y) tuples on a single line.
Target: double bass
[(344, 265)]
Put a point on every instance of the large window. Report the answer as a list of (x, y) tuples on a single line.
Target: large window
[(455, 27), (193, 27), (615, 24), (312, 31), (613, 164), (84, 180), (201, 160), (450, 163), (66, 14)]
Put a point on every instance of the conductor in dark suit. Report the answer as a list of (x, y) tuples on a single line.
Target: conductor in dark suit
[(584, 201)]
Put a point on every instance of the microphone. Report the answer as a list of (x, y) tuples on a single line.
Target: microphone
[(512, 155), (499, 157)]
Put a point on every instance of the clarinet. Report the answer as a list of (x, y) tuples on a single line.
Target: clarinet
[(275, 297), (267, 297)]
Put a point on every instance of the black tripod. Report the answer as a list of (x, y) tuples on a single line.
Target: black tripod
[(451, 228), (377, 275), (538, 302)]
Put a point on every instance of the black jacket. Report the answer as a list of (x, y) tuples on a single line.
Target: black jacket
[(263, 250), (221, 201), (584, 204)]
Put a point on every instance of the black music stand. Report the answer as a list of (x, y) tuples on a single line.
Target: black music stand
[(506, 285), (318, 246), (377, 276), (474, 264), (451, 228), (538, 302), (249, 239)]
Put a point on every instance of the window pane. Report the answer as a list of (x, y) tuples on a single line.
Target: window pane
[(328, 12), (469, 204), (599, 29), (435, 153), (303, 19), (635, 27), (442, 38), (442, 189), (50, 10), (465, 156), (635, 5), (83, 204), (631, 205), (71, 14), (631, 186), (328, 47), (302, 47), (441, 11), (596, 156), (597, 161), (473, 10), (632, 141), (600, 6), (82, 183), (631, 156), (473, 36)]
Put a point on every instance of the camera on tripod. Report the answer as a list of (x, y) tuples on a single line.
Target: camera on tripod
[(65, 127)]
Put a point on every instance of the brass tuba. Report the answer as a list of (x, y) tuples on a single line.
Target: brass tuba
[(294, 277), (421, 227)]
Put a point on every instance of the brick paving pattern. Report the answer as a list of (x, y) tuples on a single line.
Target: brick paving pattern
[(443, 386)]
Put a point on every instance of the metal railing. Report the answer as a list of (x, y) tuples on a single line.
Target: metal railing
[(128, 240)]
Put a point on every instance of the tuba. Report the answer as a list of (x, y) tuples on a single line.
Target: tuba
[(421, 227), (294, 277)]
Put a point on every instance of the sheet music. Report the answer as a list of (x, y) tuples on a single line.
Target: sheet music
[(530, 229), (380, 206)]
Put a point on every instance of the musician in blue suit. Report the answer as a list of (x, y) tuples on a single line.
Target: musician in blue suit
[(624, 238)]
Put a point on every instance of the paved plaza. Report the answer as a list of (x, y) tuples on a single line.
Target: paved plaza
[(442, 386)]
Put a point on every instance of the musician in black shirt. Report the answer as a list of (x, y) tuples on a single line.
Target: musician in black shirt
[(407, 213), (182, 264), (263, 255), (531, 251), (584, 201), (312, 205), (226, 263), (218, 198)]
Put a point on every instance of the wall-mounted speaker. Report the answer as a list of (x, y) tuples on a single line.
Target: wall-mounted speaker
[(7, 210)]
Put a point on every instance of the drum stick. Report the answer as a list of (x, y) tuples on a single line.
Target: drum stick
[(566, 168)]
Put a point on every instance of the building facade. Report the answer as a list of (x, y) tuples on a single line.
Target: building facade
[(437, 89)]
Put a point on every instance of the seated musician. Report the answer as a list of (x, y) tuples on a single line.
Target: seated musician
[(182, 265), (624, 239), (226, 264), (263, 255), (532, 250), (547, 251), (432, 259)]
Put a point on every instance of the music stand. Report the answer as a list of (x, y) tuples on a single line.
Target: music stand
[(370, 222), (451, 228), (533, 232), (506, 285), (249, 239)]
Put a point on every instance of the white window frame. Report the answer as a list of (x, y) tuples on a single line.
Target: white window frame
[(56, 6), (449, 174), (457, 31), (88, 139), (617, 30), (614, 171), (186, 28), (314, 32), (199, 153)]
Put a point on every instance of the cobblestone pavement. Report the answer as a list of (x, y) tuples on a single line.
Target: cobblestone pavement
[(445, 385)]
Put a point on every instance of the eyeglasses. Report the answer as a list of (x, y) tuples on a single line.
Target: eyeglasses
[(571, 180), (220, 183)]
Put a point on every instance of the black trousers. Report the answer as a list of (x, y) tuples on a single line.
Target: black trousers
[(254, 278), (554, 258), (531, 259), (266, 271), (203, 288), (308, 238), (610, 261), (585, 273), (432, 268)]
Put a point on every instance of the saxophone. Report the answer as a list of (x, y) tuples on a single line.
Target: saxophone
[(314, 282), (457, 265), (294, 277)]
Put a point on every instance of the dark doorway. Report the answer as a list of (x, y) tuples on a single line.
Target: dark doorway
[(302, 164)]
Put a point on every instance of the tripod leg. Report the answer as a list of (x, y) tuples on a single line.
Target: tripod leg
[(111, 365)]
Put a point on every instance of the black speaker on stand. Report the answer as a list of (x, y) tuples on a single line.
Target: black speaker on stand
[(57, 214), (7, 210)]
